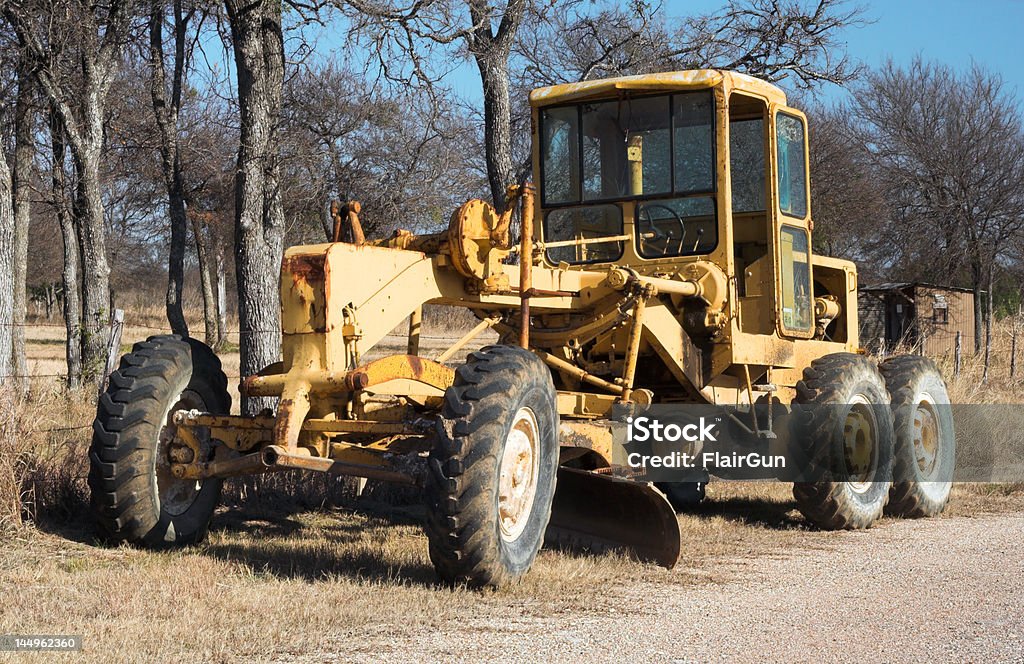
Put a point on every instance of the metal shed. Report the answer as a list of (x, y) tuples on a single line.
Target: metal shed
[(925, 316)]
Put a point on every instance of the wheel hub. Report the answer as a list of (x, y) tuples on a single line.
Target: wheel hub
[(177, 495), (517, 475), (926, 435), (860, 445)]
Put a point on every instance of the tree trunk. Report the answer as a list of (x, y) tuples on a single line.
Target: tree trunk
[(976, 288), (95, 271), (989, 321), (24, 115), (6, 265), (497, 127), (490, 50), (80, 106), (51, 297), (222, 295), (199, 232), (259, 216), (167, 120), (69, 276)]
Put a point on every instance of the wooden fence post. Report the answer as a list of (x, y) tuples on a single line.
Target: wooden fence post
[(113, 348), (1013, 349), (957, 349)]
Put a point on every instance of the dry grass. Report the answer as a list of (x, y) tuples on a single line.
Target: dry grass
[(287, 573), (272, 585), (43, 460), (971, 386)]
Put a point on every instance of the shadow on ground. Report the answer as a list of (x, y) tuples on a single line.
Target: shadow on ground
[(376, 547), (751, 511)]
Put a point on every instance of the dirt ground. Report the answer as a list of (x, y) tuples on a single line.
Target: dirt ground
[(943, 591), (753, 583), (278, 584)]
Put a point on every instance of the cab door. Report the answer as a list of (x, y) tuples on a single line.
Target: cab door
[(791, 213)]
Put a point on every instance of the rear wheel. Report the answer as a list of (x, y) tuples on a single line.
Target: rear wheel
[(135, 497), (492, 476), (842, 416), (925, 451)]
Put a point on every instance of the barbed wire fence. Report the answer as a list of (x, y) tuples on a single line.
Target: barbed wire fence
[(118, 325)]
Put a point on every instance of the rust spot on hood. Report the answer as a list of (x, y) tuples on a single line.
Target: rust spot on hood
[(304, 268)]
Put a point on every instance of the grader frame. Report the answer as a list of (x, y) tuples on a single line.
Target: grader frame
[(701, 326), (338, 300)]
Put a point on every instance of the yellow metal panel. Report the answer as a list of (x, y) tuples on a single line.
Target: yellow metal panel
[(678, 80)]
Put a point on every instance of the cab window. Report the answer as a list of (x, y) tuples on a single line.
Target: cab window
[(676, 227), (591, 234), (631, 147), (626, 148), (747, 164), (795, 266), (792, 169), (560, 155)]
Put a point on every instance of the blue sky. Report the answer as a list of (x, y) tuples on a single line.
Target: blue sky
[(949, 31), (953, 32)]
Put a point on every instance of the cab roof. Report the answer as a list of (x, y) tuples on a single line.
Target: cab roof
[(691, 79)]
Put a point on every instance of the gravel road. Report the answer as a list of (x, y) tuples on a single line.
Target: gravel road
[(946, 589)]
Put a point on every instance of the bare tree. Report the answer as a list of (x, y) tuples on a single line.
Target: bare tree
[(485, 31), (951, 146), (69, 237), (97, 36), (258, 43), (166, 111), (211, 153), (792, 40), (402, 153), (6, 266), (847, 190), (214, 335), (24, 150)]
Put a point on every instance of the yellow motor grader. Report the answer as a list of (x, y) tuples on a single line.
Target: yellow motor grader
[(665, 258)]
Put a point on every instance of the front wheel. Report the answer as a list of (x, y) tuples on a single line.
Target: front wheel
[(135, 496), (492, 478)]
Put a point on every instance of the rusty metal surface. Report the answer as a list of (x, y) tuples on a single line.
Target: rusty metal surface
[(526, 267), (410, 367), (582, 374), (633, 344), (275, 456), (596, 438), (247, 464), (596, 512), (349, 212)]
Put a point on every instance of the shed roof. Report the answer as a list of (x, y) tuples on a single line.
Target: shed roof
[(902, 285)]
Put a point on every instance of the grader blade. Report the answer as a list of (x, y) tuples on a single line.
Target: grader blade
[(593, 512)]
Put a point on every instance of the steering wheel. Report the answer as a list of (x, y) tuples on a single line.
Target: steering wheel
[(658, 233)]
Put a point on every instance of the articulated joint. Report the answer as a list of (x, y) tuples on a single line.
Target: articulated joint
[(622, 279)]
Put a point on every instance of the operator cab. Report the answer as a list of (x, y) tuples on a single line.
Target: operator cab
[(647, 157), (660, 170)]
